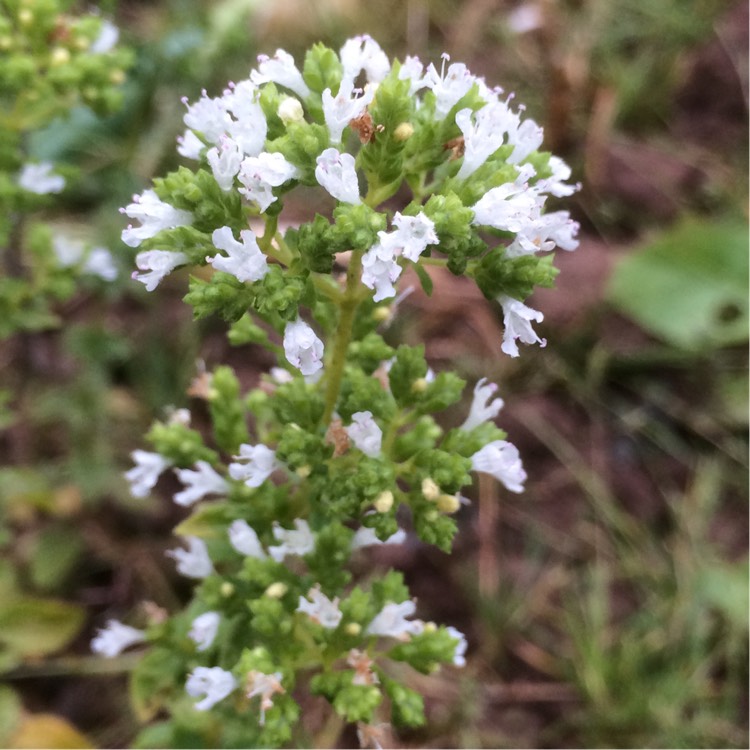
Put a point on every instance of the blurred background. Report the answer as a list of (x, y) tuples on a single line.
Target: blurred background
[(607, 606)]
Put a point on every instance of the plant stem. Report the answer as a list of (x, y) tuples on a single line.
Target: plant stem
[(347, 309)]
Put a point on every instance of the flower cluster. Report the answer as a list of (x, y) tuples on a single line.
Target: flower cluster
[(345, 452)]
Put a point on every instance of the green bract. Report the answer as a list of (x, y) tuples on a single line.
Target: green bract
[(337, 450)]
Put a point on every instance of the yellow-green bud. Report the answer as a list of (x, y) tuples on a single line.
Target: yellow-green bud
[(430, 490), (6, 42), (430, 627), (60, 56), (227, 589), (381, 313), (117, 77), (353, 628), (276, 590), (419, 385), (82, 42), (384, 501), (290, 110), (448, 504), (25, 16), (403, 132), (303, 471)]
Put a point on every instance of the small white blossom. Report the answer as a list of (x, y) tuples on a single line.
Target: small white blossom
[(113, 639), (254, 464), (337, 174), (544, 233), (510, 207), (342, 108), (412, 235), (391, 621), (380, 270), (290, 110), (250, 128), (99, 262), (280, 69), (320, 609), (245, 260), (411, 70), (244, 539), (107, 39), (482, 408), (449, 87), (40, 179), (365, 433), (189, 145), (157, 264), (364, 53), (484, 134), (525, 18), (556, 183), (193, 562), (297, 541), (525, 139), (225, 163), (208, 116), (214, 683), (259, 174), (280, 375), (205, 480), (144, 475), (366, 537), (204, 629), (154, 215), (517, 319), (266, 686), (459, 654), (302, 348), (501, 460)]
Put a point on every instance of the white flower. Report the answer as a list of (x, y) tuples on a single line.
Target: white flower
[(320, 609), (342, 108), (525, 18), (246, 261), (204, 481), (154, 215), (380, 270), (144, 475), (366, 537), (214, 683), (460, 652), (555, 184), (250, 128), (113, 639), (544, 233), (204, 629), (484, 135), (525, 139), (158, 264), (412, 235), (244, 539), (258, 174), (193, 562), (391, 621), (364, 53), (302, 348), (189, 145), (411, 70), (502, 460), (208, 116), (336, 173), (517, 319), (225, 162), (482, 409), (449, 87), (264, 685), (67, 251), (365, 433), (255, 464), (281, 70), (99, 262), (39, 179), (297, 541), (510, 207), (108, 36)]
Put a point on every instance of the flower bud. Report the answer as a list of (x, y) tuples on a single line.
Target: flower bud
[(430, 490), (60, 56), (384, 501), (290, 110), (419, 385), (25, 17), (381, 313), (276, 590), (353, 628), (430, 627), (226, 589), (117, 77), (303, 471), (448, 504), (403, 132)]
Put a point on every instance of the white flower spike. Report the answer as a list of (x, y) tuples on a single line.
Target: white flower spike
[(517, 319), (501, 460), (205, 480), (254, 464), (213, 683), (154, 215), (320, 609), (244, 259), (391, 621), (297, 541), (302, 348), (113, 639), (144, 475), (193, 562), (336, 173), (245, 540)]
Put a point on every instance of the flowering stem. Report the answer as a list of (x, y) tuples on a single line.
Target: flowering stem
[(347, 309)]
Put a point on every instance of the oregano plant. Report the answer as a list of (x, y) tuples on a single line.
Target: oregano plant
[(337, 449)]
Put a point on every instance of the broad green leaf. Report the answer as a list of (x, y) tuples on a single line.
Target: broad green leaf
[(56, 551), (35, 627), (690, 286)]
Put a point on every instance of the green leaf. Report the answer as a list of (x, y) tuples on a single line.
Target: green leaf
[(36, 627), (690, 286), (424, 279), (10, 713), (56, 551)]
